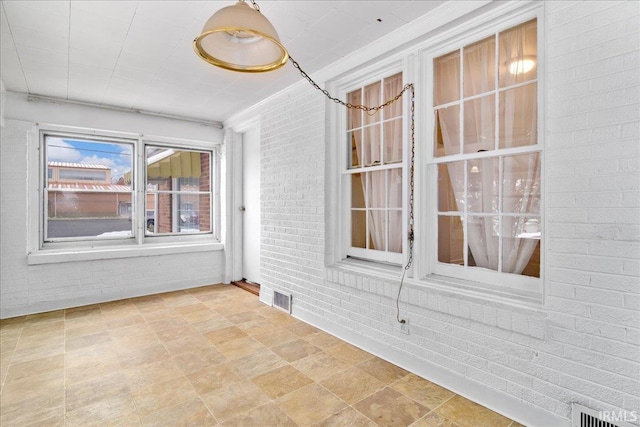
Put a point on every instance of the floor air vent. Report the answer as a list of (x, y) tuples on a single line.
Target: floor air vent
[(282, 301), (581, 416)]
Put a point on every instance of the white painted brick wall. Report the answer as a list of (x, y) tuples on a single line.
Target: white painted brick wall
[(27, 289), (582, 345)]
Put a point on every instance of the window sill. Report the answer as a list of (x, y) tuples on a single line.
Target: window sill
[(51, 256)]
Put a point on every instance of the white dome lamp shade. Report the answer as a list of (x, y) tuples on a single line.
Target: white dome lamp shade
[(240, 38)]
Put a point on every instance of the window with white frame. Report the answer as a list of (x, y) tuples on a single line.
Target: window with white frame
[(488, 158), (373, 176), (89, 195), (83, 190), (178, 191)]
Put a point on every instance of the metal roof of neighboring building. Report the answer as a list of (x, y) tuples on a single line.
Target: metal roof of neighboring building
[(92, 187), (77, 165)]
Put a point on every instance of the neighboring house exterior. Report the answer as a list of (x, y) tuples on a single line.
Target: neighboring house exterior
[(81, 190)]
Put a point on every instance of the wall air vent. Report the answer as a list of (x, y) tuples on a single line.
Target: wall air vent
[(581, 416), (282, 301)]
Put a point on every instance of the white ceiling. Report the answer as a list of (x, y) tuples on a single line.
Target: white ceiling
[(139, 54)]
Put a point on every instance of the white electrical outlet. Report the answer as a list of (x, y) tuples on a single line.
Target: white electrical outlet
[(404, 327)]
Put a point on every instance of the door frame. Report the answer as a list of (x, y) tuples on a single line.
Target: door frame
[(235, 215)]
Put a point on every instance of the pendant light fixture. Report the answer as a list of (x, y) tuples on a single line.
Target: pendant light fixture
[(240, 38)]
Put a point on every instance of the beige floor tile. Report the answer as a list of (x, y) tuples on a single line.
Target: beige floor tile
[(422, 391), (323, 340), (320, 366), (432, 419), (295, 350), (256, 327), (214, 378), (244, 316), (40, 342), (310, 405), (92, 368), (167, 323), (191, 308), (352, 385), (204, 356), (223, 335), (165, 312), (87, 341), (234, 399), (258, 363), (187, 344), (201, 316), (469, 414), (3, 375), (43, 328), (82, 316), (349, 353), (348, 417), (35, 367), (199, 359), (89, 392), (41, 410), (162, 395), (302, 329), (191, 413), (118, 309), (239, 348), (11, 323), (212, 324), (281, 381), (227, 308), (87, 355), (179, 298), (146, 375), (114, 410), (80, 330), (134, 319), (139, 336), (279, 318), (265, 415), (132, 358), (146, 301), (47, 384), (48, 316), (173, 334), (10, 331), (382, 370), (387, 407), (276, 336)]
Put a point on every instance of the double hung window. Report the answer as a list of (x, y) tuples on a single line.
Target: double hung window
[(374, 172), (488, 159), (95, 191)]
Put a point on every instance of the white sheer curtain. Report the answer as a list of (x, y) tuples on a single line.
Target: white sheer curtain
[(521, 196), (521, 183), (383, 188), (393, 154), (479, 135)]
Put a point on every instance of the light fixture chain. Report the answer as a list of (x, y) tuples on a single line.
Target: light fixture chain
[(255, 5), (371, 110)]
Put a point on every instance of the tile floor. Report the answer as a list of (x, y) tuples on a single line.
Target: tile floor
[(209, 356)]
